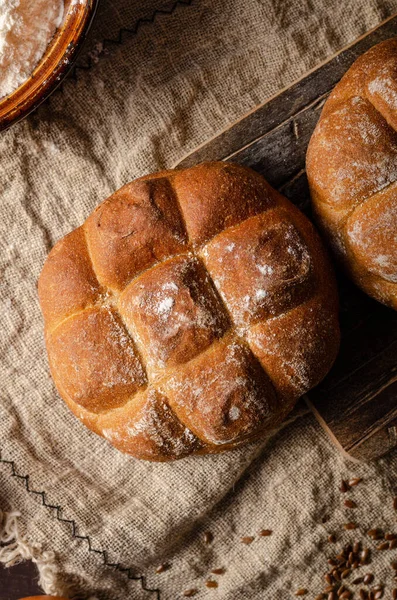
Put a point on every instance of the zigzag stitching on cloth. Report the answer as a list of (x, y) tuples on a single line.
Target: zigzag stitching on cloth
[(124, 31), (74, 528)]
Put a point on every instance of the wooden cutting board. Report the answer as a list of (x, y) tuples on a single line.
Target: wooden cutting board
[(357, 402)]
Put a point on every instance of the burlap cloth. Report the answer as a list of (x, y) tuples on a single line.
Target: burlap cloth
[(140, 107)]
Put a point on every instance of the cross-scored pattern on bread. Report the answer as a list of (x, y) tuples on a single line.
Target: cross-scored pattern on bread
[(189, 312), (352, 171)]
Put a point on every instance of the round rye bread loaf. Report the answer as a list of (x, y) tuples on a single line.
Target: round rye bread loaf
[(189, 312), (352, 172)]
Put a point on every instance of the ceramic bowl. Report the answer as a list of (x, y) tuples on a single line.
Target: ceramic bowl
[(55, 64)]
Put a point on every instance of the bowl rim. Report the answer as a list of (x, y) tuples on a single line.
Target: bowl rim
[(56, 63)]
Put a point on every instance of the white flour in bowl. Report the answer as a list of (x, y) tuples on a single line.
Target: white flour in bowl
[(26, 29)]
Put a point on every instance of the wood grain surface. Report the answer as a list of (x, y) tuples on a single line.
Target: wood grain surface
[(357, 402), (19, 581)]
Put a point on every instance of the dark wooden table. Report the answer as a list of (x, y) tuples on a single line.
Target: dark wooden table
[(19, 581)]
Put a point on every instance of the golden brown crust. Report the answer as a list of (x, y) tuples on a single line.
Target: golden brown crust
[(196, 307), (352, 171), (67, 282)]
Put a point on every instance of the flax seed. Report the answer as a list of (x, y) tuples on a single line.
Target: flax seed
[(394, 565), (393, 544), (356, 547), (319, 597), (247, 540), (364, 556), (328, 578), (395, 503), (220, 571), (266, 532), (208, 537), (346, 595), (375, 534), (301, 592), (350, 504), (332, 562), (350, 525), (328, 589), (354, 481), (210, 583), (332, 538), (344, 487), (341, 590), (332, 596), (351, 558), (363, 594), (190, 593), (395, 594), (383, 546), (162, 568), (390, 536), (358, 580), (368, 578), (346, 573), (377, 588), (378, 595)]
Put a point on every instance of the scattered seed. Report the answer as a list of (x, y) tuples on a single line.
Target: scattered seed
[(162, 568), (377, 588), (375, 534), (328, 578), (346, 573), (266, 532), (319, 597), (210, 583), (328, 589), (332, 596), (344, 487), (332, 562), (395, 503), (350, 525), (395, 594), (355, 481), (208, 537), (356, 547), (356, 564), (351, 558), (350, 504), (363, 594), (336, 574), (368, 578), (332, 538), (394, 565), (364, 556), (346, 595), (247, 539), (378, 595), (301, 592), (190, 593), (358, 580), (220, 571), (391, 536), (341, 590), (393, 544), (383, 546)]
